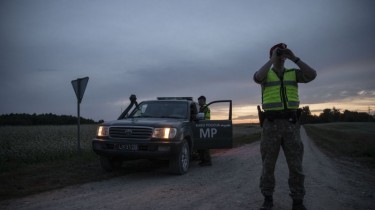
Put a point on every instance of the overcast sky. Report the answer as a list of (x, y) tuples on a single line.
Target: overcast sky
[(179, 48)]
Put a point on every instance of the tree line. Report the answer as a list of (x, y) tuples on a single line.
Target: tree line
[(334, 115), (327, 116), (41, 119)]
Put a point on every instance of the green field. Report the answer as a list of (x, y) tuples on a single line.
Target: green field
[(355, 140), (20, 145), (39, 158)]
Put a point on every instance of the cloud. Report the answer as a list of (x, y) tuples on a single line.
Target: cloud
[(366, 92), (168, 48)]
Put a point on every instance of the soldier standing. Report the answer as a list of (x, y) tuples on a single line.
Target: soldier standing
[(204, 154), (280, 102)]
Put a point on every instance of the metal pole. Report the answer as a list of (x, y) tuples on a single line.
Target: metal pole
[(78, 120)]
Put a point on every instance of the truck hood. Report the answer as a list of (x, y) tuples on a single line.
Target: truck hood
[(148, 122)]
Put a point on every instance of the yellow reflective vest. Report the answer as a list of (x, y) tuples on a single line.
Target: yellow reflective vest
[(280, 94), (206, 111)]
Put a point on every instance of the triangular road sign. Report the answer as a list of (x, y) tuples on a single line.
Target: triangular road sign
[(79, 86)]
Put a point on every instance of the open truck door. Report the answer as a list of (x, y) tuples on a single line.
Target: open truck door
[(215, 133)]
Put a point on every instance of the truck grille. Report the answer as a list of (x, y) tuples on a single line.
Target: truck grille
[(140, 133)]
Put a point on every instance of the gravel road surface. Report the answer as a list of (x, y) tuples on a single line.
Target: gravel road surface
[(231, 183)]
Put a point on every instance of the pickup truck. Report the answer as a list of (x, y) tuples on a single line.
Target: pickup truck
[(166, 128)]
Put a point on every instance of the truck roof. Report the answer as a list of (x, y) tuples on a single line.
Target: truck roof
[(176, 98)]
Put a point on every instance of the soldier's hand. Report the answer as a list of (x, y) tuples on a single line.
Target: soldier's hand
[(287, 53), (274, 56)]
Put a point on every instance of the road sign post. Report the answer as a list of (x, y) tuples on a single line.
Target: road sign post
[(79, 86)]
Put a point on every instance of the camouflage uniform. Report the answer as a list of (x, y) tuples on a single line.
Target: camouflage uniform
[(280, 100), (281, 132)]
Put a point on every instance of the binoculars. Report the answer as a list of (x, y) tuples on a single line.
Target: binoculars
[(279, 51)]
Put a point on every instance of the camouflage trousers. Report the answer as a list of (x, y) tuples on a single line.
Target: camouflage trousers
[(276, 134)]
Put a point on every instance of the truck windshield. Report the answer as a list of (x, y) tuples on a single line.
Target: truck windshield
[(161, 109)]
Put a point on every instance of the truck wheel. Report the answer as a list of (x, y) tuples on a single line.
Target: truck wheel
[(179, 164), (110, 164)]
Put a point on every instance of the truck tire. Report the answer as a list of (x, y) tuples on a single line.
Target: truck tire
[(110, 164), (179, 164)]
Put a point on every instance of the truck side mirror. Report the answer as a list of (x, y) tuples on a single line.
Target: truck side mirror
[(200, 116)]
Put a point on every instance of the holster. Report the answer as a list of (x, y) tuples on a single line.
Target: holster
[(261, 116)]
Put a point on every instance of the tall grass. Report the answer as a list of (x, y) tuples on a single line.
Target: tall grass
[(21, 145), (245, 134), (355, 140)]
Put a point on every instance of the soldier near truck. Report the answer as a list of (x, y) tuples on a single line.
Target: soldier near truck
[(280, 102), (204, 154)]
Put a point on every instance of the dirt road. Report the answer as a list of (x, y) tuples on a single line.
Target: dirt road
[(231, 183)]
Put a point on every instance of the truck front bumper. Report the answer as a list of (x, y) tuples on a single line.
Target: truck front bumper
[(136, 149)]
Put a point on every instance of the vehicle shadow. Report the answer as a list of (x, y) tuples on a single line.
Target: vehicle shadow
[(149, 166)]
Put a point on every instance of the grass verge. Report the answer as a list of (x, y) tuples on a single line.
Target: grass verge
[(354, 140)]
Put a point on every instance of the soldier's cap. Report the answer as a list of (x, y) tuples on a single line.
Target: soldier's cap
[(280, 45), (202, 97)]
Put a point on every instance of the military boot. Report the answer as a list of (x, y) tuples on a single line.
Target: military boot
[(268, 203), (298, 205)]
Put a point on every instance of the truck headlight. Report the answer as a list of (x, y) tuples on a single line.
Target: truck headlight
[(103, 131), (164, 133)]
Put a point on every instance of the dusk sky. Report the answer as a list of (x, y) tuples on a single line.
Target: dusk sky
[(180, 48)]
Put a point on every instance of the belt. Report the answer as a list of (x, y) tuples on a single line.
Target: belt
[(285, 114)]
